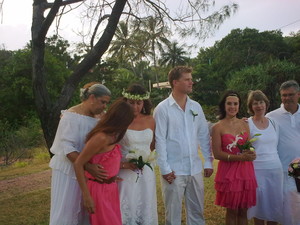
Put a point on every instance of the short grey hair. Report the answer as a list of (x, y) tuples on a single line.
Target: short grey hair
[(98, 90), (288, 84)]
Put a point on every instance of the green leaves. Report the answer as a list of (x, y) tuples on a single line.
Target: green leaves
[(140, 163), (248, 144)]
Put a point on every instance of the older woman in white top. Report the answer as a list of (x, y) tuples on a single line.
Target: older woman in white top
[(75, 123), (267, 165)]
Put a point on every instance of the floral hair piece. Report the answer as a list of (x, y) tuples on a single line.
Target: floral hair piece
[(136, 96)]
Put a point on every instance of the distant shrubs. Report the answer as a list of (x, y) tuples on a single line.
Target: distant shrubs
[(20, 164), (16, 142)]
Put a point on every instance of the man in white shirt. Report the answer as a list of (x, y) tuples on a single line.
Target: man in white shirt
[(181, 128), (288, 119)]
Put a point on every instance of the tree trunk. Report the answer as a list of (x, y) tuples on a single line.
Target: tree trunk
[(48, 112)]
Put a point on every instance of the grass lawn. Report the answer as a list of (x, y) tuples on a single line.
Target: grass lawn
[(32, 208)]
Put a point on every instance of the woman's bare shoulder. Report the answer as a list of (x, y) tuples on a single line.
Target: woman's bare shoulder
[(99, 137)]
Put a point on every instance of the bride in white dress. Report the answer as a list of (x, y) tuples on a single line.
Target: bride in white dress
[(138, 196)]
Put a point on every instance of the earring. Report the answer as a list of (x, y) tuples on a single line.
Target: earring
[(144, 110)]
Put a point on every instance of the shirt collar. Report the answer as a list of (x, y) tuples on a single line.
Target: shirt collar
[(285, 111), (172, 101)]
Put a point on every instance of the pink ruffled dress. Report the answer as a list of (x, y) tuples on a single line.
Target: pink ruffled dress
[(106, 195), (235, 181)]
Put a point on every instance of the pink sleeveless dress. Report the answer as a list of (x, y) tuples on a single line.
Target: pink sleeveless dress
[(106, 195), (235, 181)]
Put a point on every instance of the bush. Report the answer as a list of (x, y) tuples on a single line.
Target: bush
[(20, 164), (16, 142)]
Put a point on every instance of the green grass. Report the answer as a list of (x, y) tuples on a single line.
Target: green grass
[(32, 208), (16, 171), (26, 209)]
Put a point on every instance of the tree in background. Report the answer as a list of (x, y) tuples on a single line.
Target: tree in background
[(238, 50), (156, 33), (266, 77), (122, 46), (107, 12), (175, 55), (15, 78), (293, 53)]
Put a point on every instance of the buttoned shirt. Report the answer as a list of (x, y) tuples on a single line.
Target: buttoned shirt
[(178, 135), (289, 134)]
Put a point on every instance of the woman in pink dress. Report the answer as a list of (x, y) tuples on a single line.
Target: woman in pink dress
[(235, 181), (102, 199)]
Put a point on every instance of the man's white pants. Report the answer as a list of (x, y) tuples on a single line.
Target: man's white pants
[(192, 189)]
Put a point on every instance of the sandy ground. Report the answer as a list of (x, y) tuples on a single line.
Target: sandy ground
[(28, 183)]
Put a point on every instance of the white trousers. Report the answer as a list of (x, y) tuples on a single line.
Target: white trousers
[(291, 201), (192, 189)]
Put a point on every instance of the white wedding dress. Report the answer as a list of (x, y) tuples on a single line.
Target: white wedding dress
[(137, 197)]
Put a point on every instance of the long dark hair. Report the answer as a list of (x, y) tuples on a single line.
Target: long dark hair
[(137, 89), (222, 112), (115, 122)]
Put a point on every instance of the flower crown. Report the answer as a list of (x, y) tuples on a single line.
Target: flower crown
[(136, 96)]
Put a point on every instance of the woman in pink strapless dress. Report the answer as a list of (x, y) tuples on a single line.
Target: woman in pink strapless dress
[(101, 198), (235, 181), (106, 195)]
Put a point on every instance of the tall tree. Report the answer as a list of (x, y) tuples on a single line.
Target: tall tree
[(156, 33), (239, 49), (108, 11), (49, 112), (266, 77), (129, 46), (174, 55), (121, 46)]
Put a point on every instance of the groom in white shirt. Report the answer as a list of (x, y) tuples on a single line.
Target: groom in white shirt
[(181, 128)]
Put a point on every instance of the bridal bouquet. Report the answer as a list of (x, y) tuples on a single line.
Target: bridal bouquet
[(294, 171), (245, 146), (140, 159)]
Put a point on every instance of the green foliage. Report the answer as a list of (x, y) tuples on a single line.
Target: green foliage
[(159, 94), (265, 77), (40, 155), (15, 142), (241, 49), (174, 55), (15, 91), (293, 41), (16, 82), (210, 113), (20, 164)]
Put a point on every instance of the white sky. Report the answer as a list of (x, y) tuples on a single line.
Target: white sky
[(258, 14)]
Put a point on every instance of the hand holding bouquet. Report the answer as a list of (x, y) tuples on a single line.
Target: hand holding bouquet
[(140, 159), (242, 147), (248, 144), (294, 171)]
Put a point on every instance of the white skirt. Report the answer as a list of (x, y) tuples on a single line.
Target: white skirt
[(66, 201), (138, 197), (269, 195)]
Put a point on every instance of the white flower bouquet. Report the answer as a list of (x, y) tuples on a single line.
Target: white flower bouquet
[(140, 159), (246, 146)]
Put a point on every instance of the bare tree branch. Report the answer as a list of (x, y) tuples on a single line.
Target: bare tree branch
[(93, 56), (1, 10), (96, 28)]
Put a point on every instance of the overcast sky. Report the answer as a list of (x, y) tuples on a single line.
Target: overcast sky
[(258, 14)]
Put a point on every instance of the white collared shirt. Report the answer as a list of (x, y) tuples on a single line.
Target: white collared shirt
[(289, 134), (178, 135)]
